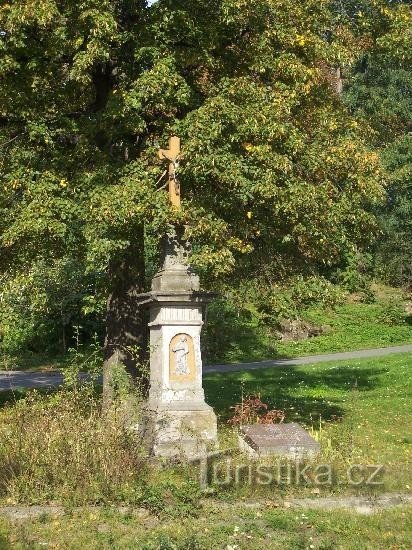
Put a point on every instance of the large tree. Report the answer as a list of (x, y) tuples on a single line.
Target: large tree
[(379, 92), (273, 165)]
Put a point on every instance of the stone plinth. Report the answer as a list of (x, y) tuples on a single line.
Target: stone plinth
[(289, 440), (176, 422)]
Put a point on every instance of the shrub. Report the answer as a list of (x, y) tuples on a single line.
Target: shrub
[(252, 410), (394, 313), (301, 293), (356, 275), (40, 306)]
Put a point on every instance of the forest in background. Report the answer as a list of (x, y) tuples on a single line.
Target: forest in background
[(296, 177)]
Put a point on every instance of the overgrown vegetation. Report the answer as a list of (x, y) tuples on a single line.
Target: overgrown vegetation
[(243, 327), (59, 448)]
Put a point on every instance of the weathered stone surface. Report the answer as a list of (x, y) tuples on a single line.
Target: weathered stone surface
[(289, 440), (176, 422), (187, 431), (175, 279), (300, 330), (175, 274)]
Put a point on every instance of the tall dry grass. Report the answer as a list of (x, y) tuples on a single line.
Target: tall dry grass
[(60, 447)]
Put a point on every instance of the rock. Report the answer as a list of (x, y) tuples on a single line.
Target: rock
[(289, 440), (299, 330)]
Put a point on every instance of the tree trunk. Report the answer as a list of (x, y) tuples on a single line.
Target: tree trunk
[(126, 327)]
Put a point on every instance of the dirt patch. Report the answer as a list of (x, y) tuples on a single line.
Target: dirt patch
[(361, 505)]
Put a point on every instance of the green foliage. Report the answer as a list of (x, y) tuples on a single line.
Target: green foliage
[(300, 294), (379, 91), (273, 163), (40, 306), (394, 313), (232, 333), (356, 275), (82, 359), (393, 258), (240, 330), (242, 326), (4, 532), (353, 326), (172, 498)]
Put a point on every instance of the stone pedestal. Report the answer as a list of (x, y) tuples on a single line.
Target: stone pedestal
[(176, 421)]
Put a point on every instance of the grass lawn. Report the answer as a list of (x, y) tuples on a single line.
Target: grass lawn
[(360, 411), (351, 327), (217, 528)]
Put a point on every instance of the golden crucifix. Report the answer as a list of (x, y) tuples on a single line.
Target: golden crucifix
[(172, 155)]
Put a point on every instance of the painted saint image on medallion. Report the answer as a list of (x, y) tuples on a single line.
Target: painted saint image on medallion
[(182, 358)]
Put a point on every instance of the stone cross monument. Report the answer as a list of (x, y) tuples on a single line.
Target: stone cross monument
[(172, 155), (176, 421)]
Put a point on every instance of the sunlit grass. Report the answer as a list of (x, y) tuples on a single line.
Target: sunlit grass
[(359, 410), (236, 528)]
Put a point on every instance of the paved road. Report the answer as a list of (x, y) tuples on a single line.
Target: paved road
[(11, 380), (310, 359), (20, 379)]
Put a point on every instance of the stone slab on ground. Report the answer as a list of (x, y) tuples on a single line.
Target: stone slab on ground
[(289, 440)]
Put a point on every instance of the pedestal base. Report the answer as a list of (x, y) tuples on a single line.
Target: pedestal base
[(177, 423), (176, 432)]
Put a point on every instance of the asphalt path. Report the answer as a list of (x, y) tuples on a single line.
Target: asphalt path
[(310, 359), (11, 380)]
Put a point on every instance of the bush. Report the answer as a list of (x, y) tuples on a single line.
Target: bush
[(356, 275), (40, 306), (394, 313), (302, 293)]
